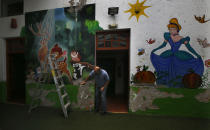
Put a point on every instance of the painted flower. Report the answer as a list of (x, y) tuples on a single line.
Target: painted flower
[(207, 63)]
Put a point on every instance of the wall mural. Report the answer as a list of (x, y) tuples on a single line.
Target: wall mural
[(141, 51), (168, 90), (71, 38), (167, 65), (137, 9), (204, 43), (207, 63), (151, 41), (172, 88), (201, 19)]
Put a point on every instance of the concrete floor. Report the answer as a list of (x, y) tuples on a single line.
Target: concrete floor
[(15, 117)]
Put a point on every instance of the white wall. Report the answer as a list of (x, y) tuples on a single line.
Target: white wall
[(35, 5), (29, 6), (155, 26), (2, 60), (207, 50), (152, 27), (6, 31)]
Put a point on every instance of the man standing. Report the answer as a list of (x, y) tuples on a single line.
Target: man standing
[(101, 81)]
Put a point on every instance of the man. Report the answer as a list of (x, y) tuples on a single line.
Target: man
[(101, 81)]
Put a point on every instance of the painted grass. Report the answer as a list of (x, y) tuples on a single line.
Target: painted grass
[(135, 89), (187, 106), (72, 92), (85, 74), (53, 96)]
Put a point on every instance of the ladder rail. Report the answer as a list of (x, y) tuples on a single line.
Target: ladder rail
[(57, 76)]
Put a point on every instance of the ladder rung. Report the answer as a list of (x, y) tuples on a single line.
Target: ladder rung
[(61, 86), (67, 105), (63, 96), (59, 77)]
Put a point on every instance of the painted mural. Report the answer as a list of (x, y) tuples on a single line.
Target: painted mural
[(204, 43), (151, 41), (137, 9), (173, 68), (167, 65), (201, 19), (179, 82), (70, 37)]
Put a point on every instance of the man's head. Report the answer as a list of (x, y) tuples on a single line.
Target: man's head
[(97, 69)]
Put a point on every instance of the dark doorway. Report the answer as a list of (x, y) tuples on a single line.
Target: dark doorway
[(15, 70), (112, 54), (110, 68)]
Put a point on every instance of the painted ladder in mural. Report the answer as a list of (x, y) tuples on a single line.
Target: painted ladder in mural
[(61, 90)]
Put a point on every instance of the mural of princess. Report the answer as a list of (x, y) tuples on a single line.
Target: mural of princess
[(173, 64)]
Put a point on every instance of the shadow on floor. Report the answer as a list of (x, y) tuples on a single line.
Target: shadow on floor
[(117, 105)]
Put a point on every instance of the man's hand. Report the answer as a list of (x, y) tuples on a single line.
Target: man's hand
[(102, 89), (105, 85), (83, 83)]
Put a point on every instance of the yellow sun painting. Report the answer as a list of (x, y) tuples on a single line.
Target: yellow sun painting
[(137, 9)]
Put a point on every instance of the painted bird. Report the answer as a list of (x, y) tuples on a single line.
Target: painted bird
[(201, 19), (150, 41), (203, 43)]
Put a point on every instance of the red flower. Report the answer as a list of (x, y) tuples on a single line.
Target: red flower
[(207, 63)]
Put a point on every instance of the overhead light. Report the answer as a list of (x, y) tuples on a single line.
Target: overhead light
[(113, 10)]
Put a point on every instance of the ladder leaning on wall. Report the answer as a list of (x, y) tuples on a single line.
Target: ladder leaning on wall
[(60, 87)]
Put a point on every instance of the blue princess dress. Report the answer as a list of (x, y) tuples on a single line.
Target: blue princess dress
[(173, 64)]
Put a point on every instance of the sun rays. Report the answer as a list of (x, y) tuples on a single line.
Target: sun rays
[(137, 9)]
